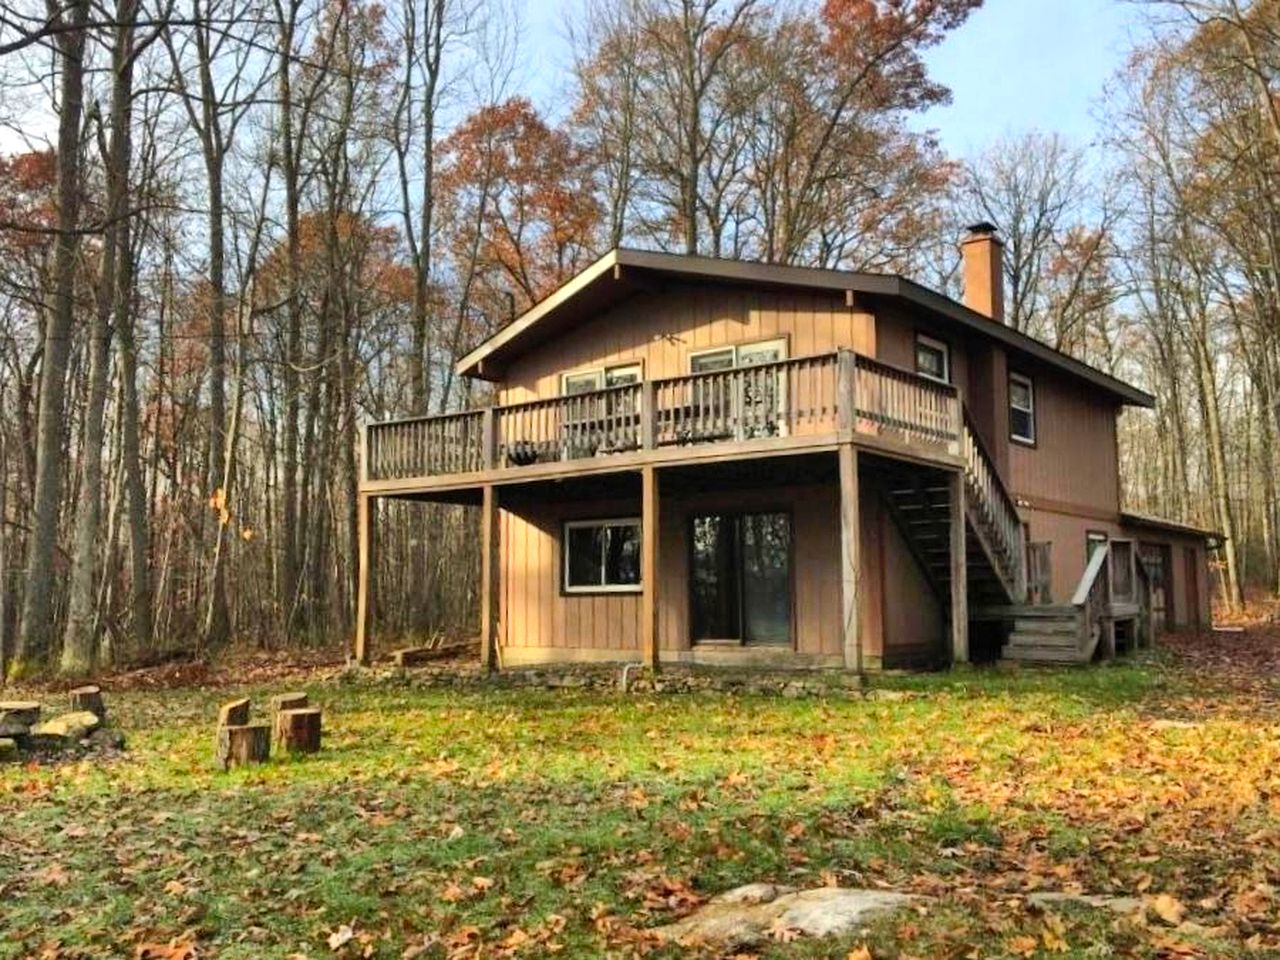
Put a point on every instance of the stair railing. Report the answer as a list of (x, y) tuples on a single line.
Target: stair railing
[(993, 510), (1092, 600)]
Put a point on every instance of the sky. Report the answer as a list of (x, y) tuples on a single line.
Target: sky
[(1019, 65), (1014, 66)]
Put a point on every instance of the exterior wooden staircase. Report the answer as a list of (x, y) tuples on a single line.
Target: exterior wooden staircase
[(997, 560), (1070, 633), (920, 504), (1048, 634)]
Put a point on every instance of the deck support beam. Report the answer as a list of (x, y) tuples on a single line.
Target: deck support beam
[(850, 548), (959, 572), (649, 539), (364, 537), (490, 578)]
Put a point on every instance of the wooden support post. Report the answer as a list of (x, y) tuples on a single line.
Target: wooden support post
[(490, 582), (850, 548), (364, 533), (846, 393), (648, 415), (649, 539), (959, 573), (488, 439)]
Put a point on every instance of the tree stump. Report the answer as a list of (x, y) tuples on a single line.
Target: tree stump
[(88, 698), (234, 714), (289, 701), (298, 731), (243, 744), (24, 712)]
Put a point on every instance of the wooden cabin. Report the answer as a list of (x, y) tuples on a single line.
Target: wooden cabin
[(707, 461)]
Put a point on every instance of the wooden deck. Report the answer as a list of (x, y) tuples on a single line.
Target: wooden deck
[(792, 406), (839, 402)]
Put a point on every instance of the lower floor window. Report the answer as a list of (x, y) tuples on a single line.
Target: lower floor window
[(602, 555)]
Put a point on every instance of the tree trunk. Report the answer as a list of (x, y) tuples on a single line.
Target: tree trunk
[(38, 629), (234, 713), (80, 639)]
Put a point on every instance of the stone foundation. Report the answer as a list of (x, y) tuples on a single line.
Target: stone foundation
[(672, 679)]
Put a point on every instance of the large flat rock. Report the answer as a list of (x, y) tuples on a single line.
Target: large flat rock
[(745, 915), (69, 726)]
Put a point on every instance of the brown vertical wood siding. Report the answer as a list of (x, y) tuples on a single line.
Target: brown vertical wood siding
[(661, 329), (1074, 460), (902, 616)]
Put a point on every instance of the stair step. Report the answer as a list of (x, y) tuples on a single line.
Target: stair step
[(1029, 625), (1035, 641), (1049, 611), (1042, 656)]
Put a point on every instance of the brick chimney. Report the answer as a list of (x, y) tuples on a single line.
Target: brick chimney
[(983, 254)]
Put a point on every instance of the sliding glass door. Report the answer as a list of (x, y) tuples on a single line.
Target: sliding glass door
[(740, 577)]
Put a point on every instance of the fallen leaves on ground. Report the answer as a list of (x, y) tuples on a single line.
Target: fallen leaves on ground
[(501, 823)]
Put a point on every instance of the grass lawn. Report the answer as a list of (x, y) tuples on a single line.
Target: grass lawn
[(493, 823)]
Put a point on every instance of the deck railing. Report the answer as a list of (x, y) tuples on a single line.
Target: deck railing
[(778, 399), (890, 400), (784, 398), (569, 428), (1093, 601), (992, 508), (426, 446)]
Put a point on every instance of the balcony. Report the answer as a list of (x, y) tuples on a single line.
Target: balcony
[(808, 402)]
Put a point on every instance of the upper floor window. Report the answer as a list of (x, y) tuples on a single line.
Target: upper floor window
[(933, 359), (602, 555), (1022, 408), (585, 381), (738, 355)]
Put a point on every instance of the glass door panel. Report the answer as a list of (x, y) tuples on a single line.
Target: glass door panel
[(740, 578), (713, 579), (766, 577)]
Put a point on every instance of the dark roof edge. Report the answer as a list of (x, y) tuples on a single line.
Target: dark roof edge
[(944, 305), (874, 284), (1173, 526)]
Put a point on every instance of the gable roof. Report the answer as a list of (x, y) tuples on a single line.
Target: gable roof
[(623, 271)]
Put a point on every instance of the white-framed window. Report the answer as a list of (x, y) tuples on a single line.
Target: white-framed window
[(1022, 408), (601, 555), (933, 358), (738, 355), (599, 378)]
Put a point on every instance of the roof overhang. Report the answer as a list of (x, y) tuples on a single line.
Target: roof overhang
[(622, 272), (1147, 521)]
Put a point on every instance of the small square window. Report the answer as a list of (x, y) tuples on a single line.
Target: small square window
[(933, 359), (602, 555), (1022, 409)]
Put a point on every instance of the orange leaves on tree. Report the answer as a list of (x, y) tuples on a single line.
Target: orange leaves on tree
[(520, 196)]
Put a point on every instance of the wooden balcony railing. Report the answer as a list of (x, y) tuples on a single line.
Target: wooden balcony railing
[(993, 512), (786, 398)]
